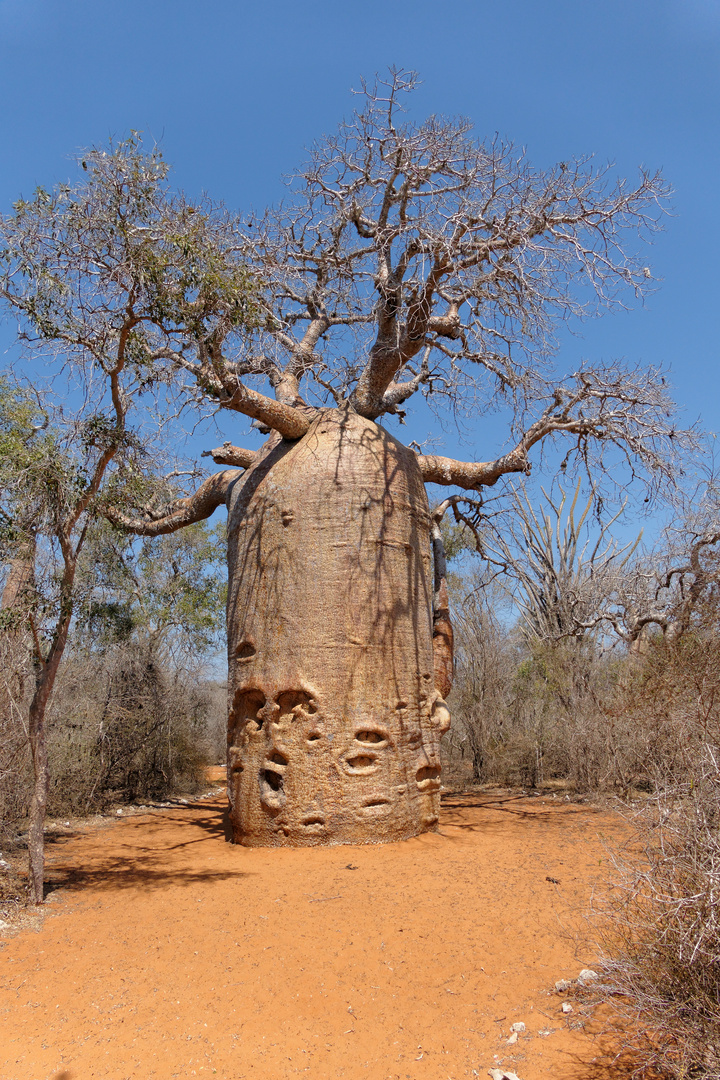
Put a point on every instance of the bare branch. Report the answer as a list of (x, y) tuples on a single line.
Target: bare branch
[(673, 588), (230, 393), (196, 507), (398, 392), (602, 409), (227, 454), (401, 236)]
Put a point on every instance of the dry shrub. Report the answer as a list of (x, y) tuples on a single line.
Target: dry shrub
[(535, 713), (131, 729), (15, 765), (557, 706), (123, 727), (530, 714), (661, 935), (660, 921), (486, 659)]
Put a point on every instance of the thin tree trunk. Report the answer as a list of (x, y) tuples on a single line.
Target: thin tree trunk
[(46, 669), (37, 731), (38, 803)]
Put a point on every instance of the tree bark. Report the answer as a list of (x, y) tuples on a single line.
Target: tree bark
[(288, 421), (46, 669), (334, 717), (471, 475), (197, 507), (38, 803), (443, 641), (20, 578)]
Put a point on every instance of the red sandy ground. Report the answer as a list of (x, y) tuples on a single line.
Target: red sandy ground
[(171, 953)]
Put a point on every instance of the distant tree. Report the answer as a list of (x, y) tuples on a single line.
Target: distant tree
[(408, 260), (167, 592), (675, 588), (562, 568)]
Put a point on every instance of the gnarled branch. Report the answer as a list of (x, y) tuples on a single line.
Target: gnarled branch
[(472, 475), (610, 407), (237, 456), (211, 494)]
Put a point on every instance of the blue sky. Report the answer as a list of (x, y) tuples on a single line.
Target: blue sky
[(234, 91)]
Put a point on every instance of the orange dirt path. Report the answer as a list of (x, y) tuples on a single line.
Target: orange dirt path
[(171, 953)]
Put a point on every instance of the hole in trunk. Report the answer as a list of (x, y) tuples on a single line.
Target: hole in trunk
[(273, 780), (290, 700), (362, 762), (245, 650), (371, 736), (246, 706), (428, 772)]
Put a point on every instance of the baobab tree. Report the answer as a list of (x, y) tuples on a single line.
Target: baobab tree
[(409, 260)]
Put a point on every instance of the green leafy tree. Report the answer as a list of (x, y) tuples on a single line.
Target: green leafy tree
[(167, 590), (101, 276)]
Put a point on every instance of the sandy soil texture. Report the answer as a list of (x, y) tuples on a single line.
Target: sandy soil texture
[(171, 953)]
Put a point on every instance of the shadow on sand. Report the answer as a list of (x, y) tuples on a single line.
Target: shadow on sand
[(455, 806), (608, 1066), (147, 866)]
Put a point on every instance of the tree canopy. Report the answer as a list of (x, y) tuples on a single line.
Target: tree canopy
[(409, 259)]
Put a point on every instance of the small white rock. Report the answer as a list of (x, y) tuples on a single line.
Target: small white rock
[(518, 1026), (501, 1074), (119, 813), (563, 984), (587, 975), (513, 1039), (566, 1007)]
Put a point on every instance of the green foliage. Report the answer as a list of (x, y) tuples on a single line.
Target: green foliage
[(30, 461), (117, 266), (167, 590), (457, 539), (17, 416)]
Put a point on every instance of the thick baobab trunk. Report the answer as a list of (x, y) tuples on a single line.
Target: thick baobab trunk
[(334, 719)]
